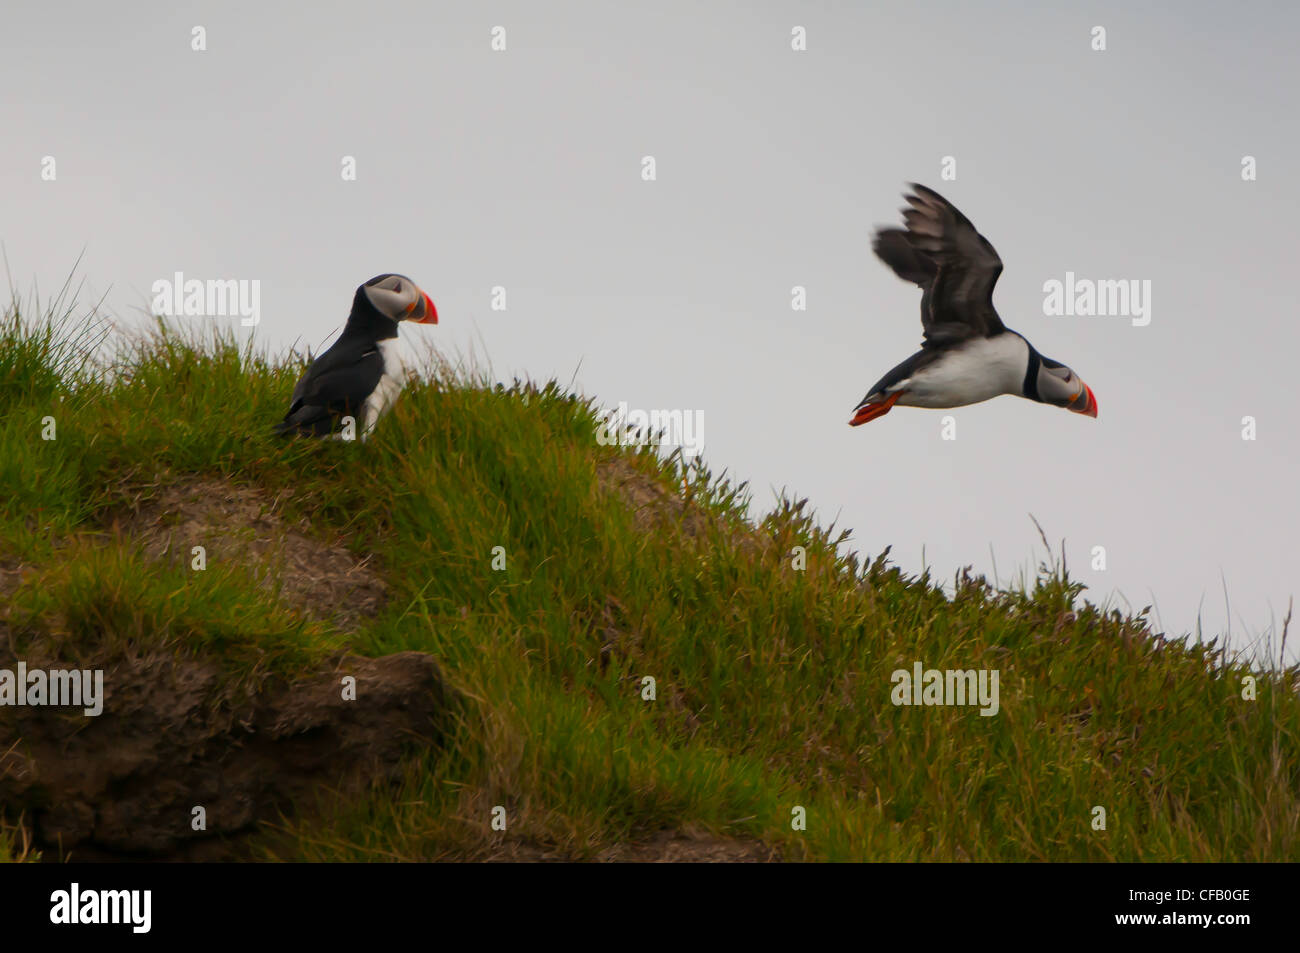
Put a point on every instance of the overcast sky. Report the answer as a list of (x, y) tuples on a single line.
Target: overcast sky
[(523, 169)]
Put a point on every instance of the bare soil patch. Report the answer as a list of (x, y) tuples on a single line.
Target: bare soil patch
[(322, 579)]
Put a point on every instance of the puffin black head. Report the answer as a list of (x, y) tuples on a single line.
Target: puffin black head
[(397, 298), (1060, 386)]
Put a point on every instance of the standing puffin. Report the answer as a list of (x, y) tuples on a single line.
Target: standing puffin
[(968, 354), (361, 374)]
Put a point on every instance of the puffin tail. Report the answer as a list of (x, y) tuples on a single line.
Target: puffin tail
[(310, 421)]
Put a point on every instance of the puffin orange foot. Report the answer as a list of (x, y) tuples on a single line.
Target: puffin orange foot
[(868, 412)]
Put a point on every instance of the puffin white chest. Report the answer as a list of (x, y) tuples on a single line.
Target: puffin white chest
[(980, 369), (389, 386)]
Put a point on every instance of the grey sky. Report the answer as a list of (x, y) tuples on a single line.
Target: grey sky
[(522, 169)]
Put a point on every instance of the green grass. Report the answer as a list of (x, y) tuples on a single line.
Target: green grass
[(15, 844), (773, 684)]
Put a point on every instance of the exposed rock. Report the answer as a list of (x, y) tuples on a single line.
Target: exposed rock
[(172, 737)]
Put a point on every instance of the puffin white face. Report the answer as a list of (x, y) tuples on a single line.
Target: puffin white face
[(399, 298), (1059, 385)]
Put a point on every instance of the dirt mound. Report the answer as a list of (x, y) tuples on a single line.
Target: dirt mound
[(175, 735), (235, 523), (655, 506), (658, 508), (678, 847), (171, 739), (665, 847)]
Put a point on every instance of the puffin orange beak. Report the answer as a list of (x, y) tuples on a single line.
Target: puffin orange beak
[(430, 312), (1085, 403)]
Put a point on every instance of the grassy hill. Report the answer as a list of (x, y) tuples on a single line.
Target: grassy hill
[(772, 682)]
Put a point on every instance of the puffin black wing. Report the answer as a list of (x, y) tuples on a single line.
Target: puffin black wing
[(337, 383), (954, 265)]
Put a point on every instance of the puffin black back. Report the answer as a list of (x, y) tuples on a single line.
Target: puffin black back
[(359, 377)]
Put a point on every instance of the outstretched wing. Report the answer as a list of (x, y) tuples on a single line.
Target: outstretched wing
[(954, 265)]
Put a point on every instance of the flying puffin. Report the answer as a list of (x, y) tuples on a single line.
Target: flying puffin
[(361, 374), (968, 354)]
